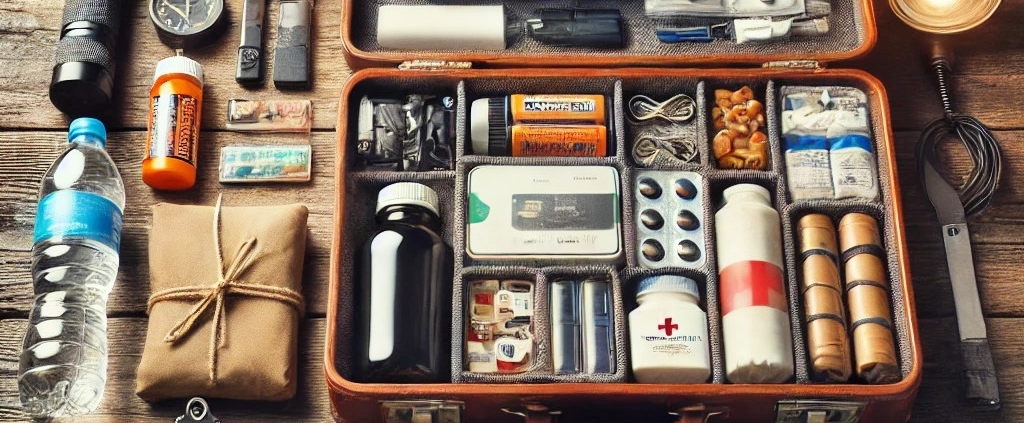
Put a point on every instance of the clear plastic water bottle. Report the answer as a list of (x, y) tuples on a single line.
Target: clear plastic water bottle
[(63, 366)]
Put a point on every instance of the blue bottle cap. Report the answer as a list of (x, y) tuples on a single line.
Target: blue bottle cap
[(89, 127), (668, 283)]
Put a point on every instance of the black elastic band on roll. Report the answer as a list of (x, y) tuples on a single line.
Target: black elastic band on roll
[(817, 251), (824, 285), (863, 249), (876, 320), (864, 282), (829, 316)]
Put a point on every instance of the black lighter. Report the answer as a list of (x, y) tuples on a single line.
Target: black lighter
[(291, 54), (601, 28), (250, 50)]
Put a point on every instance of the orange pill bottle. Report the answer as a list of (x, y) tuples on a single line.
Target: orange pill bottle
[(172, 141)]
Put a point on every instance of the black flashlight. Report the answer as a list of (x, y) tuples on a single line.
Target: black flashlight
[(83, 78)]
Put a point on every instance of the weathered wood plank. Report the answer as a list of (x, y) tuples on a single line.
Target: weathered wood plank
[(940, 397), (957, 166), (126, 337), (937, 401), (998, 283), (19, 192), (984, 71), (29, 31)]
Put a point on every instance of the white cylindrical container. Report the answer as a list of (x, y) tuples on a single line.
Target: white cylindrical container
[(755, 322), (668, 332), (441, 27)]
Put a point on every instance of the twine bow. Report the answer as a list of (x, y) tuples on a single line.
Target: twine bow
[(227, 284)]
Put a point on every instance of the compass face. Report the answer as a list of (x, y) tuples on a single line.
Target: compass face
[(185, 17)]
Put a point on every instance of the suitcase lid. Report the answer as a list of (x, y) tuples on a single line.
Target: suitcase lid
[(852, 33)]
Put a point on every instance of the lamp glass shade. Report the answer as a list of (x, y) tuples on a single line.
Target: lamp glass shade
[(944, 16)]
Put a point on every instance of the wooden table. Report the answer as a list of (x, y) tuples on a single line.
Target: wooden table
[(987, 79)]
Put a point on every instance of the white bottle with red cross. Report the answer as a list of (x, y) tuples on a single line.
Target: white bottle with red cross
[(668, 332), (755, 323)]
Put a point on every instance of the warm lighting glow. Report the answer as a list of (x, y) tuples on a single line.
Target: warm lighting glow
[(941, 4), (944, 16)]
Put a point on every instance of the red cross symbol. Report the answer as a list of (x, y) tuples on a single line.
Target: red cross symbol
[(668, 326)]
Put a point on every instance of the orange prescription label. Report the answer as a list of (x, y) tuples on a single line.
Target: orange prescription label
[(558, 108), (564, 141), (174, 127)]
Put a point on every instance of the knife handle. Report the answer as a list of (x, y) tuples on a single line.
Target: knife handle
[(979, 374)]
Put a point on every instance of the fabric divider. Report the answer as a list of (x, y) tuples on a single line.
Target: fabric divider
[(542, 370), (847, 31), (361, 187)]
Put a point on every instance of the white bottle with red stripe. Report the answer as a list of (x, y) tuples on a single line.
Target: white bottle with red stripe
[(752, 291)]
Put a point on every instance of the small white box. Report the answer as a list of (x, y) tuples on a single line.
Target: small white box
[(544, 212)]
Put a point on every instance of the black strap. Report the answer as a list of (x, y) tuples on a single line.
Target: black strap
[(829, 316), (864, 282), (817, 251), (876, 320), (872, 249), (825, 285)]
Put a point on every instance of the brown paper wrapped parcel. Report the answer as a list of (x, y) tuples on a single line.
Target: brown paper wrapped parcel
[(226, 302)]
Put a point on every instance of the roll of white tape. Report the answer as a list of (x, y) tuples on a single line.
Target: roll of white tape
[(403, 27)]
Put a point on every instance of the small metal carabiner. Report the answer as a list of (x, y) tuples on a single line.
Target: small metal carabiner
[(197, 411)]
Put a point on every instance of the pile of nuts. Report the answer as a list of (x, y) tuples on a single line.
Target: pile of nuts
[(738, 117)]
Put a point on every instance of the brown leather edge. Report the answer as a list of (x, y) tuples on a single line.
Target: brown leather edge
[(904, 390), (360, 59)]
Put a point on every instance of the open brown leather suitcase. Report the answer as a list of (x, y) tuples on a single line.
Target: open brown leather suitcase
[(695, 69)]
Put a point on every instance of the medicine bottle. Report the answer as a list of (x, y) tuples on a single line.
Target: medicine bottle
[(403, 294), (172, 141), (755, 322), (668, 332)]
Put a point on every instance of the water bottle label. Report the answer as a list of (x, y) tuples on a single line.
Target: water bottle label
[(69, 213), (752, 283)]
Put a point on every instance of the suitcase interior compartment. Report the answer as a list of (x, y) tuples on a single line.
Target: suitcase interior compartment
[(359, 187), (851, 32)]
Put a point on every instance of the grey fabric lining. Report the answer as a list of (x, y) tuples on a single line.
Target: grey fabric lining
[(847, 32), (661, 89), (707, 281), (459, 324), (836, 210), (542, 369), (361, 187), (360, 204), (880, 210)]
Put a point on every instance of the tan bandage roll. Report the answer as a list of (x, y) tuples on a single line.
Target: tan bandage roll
[(867, 295), (828, 345)]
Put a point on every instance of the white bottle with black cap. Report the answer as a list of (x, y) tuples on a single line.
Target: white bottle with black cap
[(404, 291), (668, 332)]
